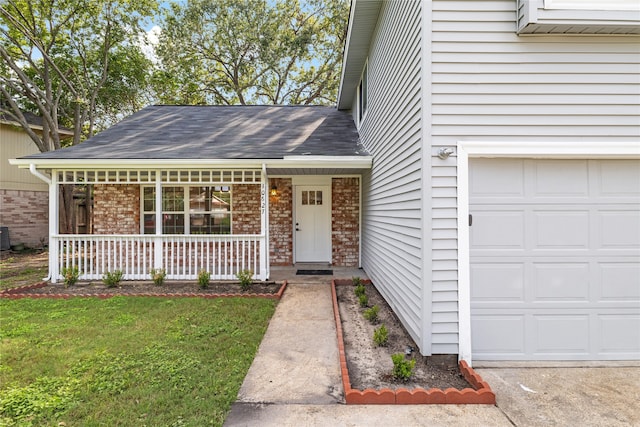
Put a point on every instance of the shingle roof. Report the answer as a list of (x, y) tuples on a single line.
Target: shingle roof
[(221, 132)]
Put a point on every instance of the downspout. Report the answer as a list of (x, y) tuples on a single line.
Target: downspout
[(45, 178)]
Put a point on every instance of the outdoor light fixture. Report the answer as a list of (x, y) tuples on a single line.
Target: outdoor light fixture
[(274, 190)]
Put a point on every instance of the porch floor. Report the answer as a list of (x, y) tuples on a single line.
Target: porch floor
[(288, 273)]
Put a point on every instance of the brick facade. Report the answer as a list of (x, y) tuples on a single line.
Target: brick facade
[(246, 209), (345, 219), (116, 209), (281, 222), (26, 214)]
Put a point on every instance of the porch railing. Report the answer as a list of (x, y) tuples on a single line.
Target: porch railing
[(182, 256)]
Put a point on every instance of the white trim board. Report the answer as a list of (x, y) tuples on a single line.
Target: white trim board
[(542, 150)]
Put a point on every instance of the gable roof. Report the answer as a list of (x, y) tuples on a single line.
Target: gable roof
[(34, 121), (221, 132)]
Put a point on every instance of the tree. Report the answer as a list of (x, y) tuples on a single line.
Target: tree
[(251, 52), (75, 63)]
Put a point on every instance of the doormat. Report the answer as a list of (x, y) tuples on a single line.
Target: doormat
[(314, 272)]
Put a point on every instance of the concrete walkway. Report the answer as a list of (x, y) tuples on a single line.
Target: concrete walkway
[(295, 379)]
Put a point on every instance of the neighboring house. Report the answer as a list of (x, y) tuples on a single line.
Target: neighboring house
[(24, 199), (501, 216), (483, 167), (235, 187)]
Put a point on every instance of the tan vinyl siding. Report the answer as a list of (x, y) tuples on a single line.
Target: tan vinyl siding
[(490, 84), (15, 143), (391, 131)]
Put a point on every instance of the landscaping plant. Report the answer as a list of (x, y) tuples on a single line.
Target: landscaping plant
[(363, 300), (71, 275), (356, 281), (402, 368), (203, 279), (380, 336), (158, 275), (112, 279), (371, 314), (246, 279), (359, 290)]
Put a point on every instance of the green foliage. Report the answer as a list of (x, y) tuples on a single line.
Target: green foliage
[(363, 300), (251, 52), (356, 280), (71, 275), (158, 275), (359, 290), (112, 278), (381, 336), (402, 368), (60, 365), (203, 279), (246, 279), (371, 314)]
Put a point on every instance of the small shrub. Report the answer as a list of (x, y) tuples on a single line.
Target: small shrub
[(203, 279), (356, 281), (359, 290), (71, 275), (112, 279), (381, 336), (158, 275), (363, 300), (402, 368), (246, 279), (371, 314)]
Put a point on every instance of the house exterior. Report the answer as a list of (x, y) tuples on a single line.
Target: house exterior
[(236, 188), (501, 215), (24, 202)]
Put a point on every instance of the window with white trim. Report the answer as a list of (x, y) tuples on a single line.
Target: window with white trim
[(362, 94), (188, 210)]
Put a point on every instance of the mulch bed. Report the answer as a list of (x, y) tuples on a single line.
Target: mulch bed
[(143, 288)]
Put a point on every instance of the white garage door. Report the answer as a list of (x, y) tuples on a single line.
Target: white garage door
[(555, 259)]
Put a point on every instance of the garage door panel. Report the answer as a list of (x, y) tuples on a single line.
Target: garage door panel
[(555, 274), (498, 334), (498, 282), (564, 179), (561, 229), (619, 229), (619, 178), (561, 281), (561, 334), (619, 281), (614, 333), (498, 230)]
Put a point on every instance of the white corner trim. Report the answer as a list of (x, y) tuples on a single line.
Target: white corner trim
[(506, 149)]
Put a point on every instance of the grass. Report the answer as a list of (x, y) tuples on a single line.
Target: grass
[(14, 271), (126, 361)]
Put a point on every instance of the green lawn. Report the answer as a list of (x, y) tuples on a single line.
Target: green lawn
[(126, 361)]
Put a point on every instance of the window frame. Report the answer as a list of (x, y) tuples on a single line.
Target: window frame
[(186, 209)]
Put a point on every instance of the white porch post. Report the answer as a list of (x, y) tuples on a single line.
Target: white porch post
[(264, 226), (54, 214), (157, 241)]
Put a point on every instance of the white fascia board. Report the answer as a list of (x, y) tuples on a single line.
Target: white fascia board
[(297, 162), (577, 149), (593, 4), (345, 52), (35, 127)]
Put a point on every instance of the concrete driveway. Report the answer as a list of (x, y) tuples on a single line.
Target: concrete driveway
[(567, 396)]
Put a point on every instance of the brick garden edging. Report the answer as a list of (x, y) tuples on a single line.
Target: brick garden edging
[(481, 392), (17, 293)]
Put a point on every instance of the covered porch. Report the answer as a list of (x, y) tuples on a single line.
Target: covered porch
[(191, 248)]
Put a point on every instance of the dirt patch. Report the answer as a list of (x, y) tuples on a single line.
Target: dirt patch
[(371, 366), (147, 288)]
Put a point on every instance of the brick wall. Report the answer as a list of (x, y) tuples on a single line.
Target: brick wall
[(281, 222), (116, 209), (345, 213), (246, 209), (26, 213)]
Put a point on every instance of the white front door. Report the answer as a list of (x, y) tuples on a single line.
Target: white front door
[(312, 224)]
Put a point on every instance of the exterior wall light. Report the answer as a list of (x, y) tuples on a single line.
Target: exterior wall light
[(274, 190)]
